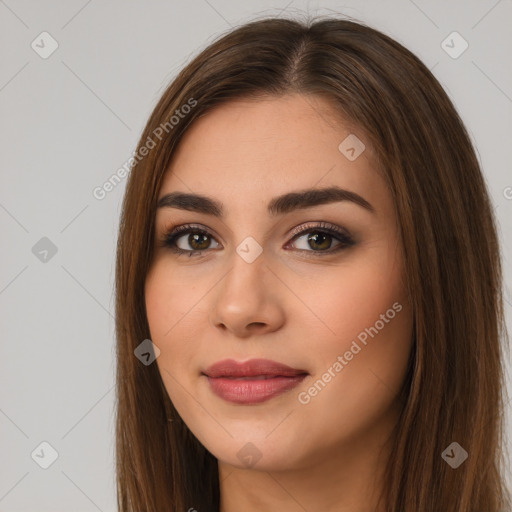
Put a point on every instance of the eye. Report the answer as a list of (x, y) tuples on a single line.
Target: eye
[(181, 238), (318, 239)]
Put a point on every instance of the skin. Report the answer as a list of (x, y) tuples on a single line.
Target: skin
[(327, 454)]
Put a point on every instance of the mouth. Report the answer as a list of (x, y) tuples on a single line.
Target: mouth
[(253, 381)]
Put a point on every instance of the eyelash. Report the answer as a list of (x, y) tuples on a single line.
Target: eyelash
[(169, 240)]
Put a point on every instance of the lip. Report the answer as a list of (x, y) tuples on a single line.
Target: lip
[(253, 381), (251, 368)]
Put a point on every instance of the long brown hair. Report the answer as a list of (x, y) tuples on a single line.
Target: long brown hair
[(454, 390)]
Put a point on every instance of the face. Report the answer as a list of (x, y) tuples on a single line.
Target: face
[(315, 282)]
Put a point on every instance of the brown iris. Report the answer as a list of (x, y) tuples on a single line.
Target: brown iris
[(321, 240)]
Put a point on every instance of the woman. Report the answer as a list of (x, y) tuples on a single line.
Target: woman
[(308, 274)]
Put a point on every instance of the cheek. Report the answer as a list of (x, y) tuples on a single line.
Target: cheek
[(370, 319), (353, 297), (371, 324), (170, 302), (168, 320), (173, 324), (177, 312)]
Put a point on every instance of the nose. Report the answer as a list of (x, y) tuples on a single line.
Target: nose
[(248, 299)]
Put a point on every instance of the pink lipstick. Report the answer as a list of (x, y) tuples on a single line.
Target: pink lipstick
[(253, 381)]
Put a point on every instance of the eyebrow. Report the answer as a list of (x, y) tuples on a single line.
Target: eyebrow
[(279, 205)]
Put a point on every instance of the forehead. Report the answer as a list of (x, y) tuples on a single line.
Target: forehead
[(256, 149)]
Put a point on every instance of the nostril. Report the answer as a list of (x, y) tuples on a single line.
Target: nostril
[(257, 324)]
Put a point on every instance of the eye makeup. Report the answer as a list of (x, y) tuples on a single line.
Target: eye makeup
[(320, 234)]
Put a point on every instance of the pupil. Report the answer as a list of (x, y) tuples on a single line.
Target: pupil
[(195, 238), (314, 239)]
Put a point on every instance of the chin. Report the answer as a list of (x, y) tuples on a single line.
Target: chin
[(255, 454)]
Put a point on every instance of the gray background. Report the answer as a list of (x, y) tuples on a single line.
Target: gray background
[(69, 121)]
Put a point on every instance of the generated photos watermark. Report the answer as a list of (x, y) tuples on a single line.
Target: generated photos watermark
[(100, 192), (337, 366)]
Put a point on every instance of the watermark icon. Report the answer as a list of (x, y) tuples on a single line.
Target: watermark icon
[(351, 147), (44, 455), (454, 45), (44, 45), (100, 192), (44, 250), (304, 397), (147, 352), (249, 455), (249, 249), (507, 193), (454, 455)]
